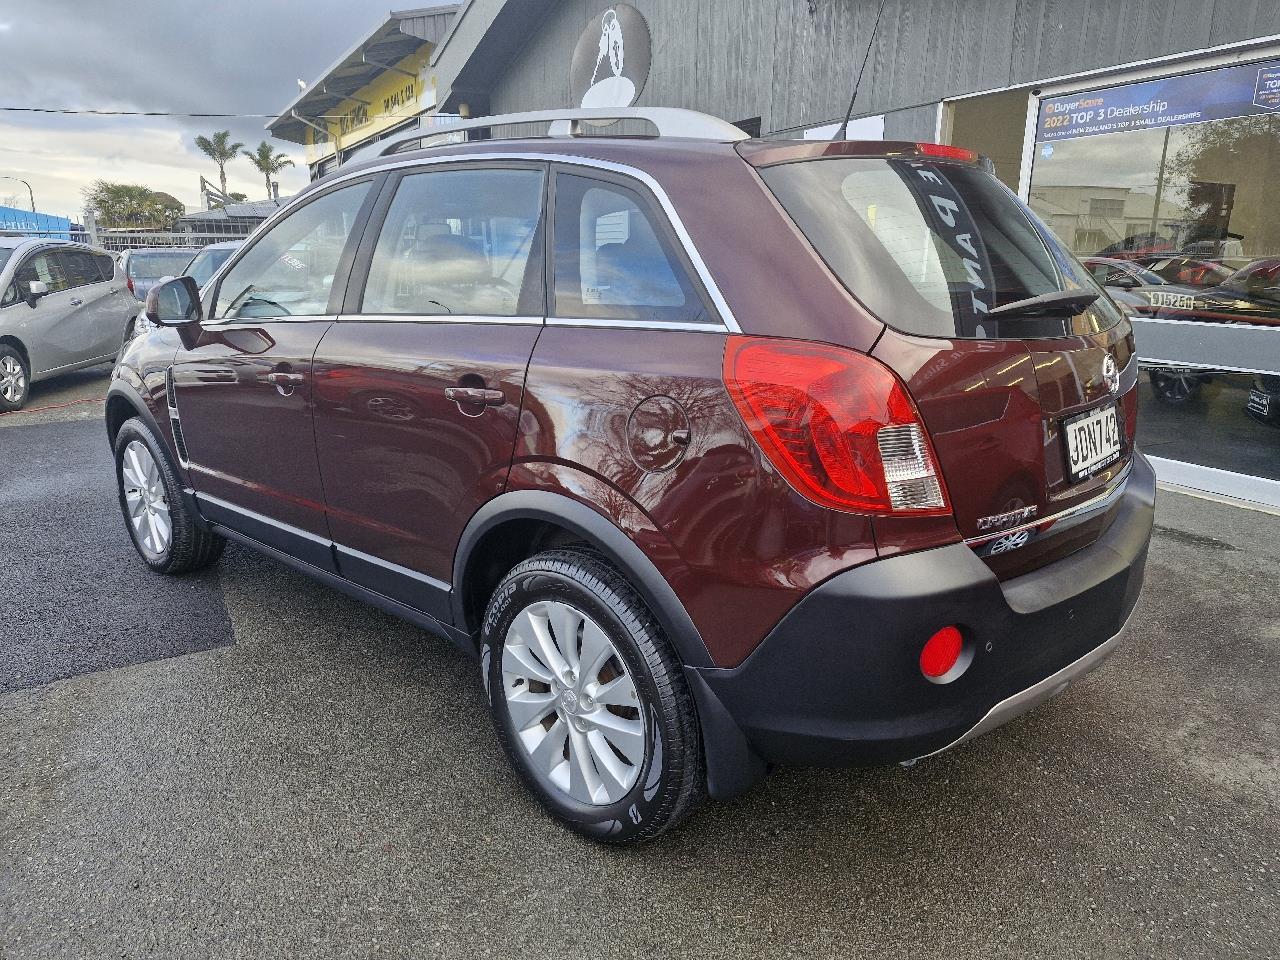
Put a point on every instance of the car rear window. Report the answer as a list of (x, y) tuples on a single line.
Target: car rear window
[(149, 266), (931, 248)]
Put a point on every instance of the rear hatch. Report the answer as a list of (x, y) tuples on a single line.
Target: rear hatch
[(1031, 408)]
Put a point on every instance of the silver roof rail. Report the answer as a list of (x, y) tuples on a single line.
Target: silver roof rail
[(669, 122)]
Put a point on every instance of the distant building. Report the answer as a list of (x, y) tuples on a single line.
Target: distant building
[(231, 220), (378, 88)]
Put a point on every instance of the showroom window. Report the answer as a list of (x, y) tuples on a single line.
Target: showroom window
[(1176, 175)]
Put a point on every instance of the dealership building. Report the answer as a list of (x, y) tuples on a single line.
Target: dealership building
[(1146, 133)]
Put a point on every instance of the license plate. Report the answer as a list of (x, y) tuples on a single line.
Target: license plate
[(1093, 441), (1260, 403), (1180, 301)]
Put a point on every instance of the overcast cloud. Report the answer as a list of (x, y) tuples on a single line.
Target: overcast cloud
[(213, 56)]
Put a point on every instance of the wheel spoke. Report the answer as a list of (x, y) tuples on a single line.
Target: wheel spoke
[(596, 649), (518, 659), (163, 528), (619, 692), (549, 753), (626, 735), (584, 781), (564, 622), (528, 707), (539, 632), (615, 774)]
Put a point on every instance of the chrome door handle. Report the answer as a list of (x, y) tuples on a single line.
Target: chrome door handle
[(490, 398), (76, 301), (286, 379)]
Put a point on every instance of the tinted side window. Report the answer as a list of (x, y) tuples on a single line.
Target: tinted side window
[(291, 268), (612, 259), (460, 242), (80, 267), (106, 265)]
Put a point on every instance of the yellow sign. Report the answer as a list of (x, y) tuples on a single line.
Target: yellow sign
[(389, 99)]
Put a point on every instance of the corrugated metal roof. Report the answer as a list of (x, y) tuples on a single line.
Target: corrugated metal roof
[(248, 210), (402, 33)]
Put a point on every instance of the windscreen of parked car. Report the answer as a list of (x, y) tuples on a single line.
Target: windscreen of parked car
[(205, 263), (1261, 280), (152, 266), (931, 248)]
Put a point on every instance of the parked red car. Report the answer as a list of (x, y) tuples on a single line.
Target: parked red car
[(716, 453)]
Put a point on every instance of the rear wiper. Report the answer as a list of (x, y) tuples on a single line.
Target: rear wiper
[(1059, 301)]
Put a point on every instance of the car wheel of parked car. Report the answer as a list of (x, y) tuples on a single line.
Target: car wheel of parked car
[(588, 699), (164, 532), (15, 379), (1175, 388)]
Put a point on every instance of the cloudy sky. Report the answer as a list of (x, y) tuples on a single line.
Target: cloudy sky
[(210, 56)]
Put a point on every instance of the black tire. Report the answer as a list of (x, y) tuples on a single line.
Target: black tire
[(671, 777), (191, 547), (1175, 388), (24, 389)]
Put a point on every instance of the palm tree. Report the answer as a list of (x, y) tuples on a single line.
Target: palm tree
[(221, 151), (268, 162)]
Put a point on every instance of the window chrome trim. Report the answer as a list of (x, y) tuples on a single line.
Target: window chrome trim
[(727, 320), (689, 325), (1056, 523), (438, 318), (255, 321)]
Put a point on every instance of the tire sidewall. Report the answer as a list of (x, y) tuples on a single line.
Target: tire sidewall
[(630, 815), (5, 405)]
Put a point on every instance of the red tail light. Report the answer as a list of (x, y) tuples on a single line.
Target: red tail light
[(129, 284), (837, 424), (947, 152)]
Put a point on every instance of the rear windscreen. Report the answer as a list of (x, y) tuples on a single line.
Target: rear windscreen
[(149, 266), (932, 248)]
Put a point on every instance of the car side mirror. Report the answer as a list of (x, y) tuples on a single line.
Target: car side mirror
[(35, 290), (174, 303), (1122, 280)]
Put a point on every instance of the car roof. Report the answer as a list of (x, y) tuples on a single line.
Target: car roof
[(224, 244), (162, 250)]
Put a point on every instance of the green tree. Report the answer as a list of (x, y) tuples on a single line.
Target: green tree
[(268, 162), (131, 205), (221, 151)]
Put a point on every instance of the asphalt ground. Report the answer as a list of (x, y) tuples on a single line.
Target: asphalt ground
[(246, 764)]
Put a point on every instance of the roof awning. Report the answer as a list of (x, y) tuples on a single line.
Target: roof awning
[(403, 32)]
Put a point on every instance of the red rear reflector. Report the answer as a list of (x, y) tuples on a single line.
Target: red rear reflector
[(947, 151), (837, 424), (129, 284), (941, 653)]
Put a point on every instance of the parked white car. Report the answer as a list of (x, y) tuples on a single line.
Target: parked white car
[(60, 310)]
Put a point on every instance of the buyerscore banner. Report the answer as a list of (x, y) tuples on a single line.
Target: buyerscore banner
[(1220, 94)]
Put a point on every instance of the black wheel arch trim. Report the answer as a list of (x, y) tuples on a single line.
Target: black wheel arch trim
[(121, 388), (602, 534)]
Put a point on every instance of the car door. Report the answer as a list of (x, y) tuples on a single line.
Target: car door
[(418, 385), (97, 319), (243, 388), (46, 327)]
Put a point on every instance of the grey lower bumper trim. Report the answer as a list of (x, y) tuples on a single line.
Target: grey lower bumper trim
[(1033, 696)]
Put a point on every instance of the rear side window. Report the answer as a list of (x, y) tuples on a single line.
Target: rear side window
[(460, 243), (613, 259), (152, 266), (106, 265), (45, 267), (931, 248), (80, 267)]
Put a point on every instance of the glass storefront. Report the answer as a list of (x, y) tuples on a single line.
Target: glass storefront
[(1167, 188)]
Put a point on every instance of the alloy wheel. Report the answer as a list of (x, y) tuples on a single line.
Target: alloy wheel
[(13, 381), (574, 706), (146, 499)]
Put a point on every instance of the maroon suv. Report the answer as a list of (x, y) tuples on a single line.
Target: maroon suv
[(717, 453)]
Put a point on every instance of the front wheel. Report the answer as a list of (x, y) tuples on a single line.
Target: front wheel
[(15, 379), (163, 530), (589, 701), (1175, 387)]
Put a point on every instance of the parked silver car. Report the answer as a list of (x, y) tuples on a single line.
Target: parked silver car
[(144, 267), (209, 259), (60, 310)]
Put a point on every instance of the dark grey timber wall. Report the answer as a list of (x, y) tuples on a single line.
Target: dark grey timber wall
[(792, 62)]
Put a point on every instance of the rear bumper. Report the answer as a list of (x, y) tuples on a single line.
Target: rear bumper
[(838, 682)]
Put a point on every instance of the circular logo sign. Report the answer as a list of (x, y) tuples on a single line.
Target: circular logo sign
[(611, 61)]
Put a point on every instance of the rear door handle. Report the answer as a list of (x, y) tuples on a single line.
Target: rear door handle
[(286, 379), (76, 301), (490, 398)]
